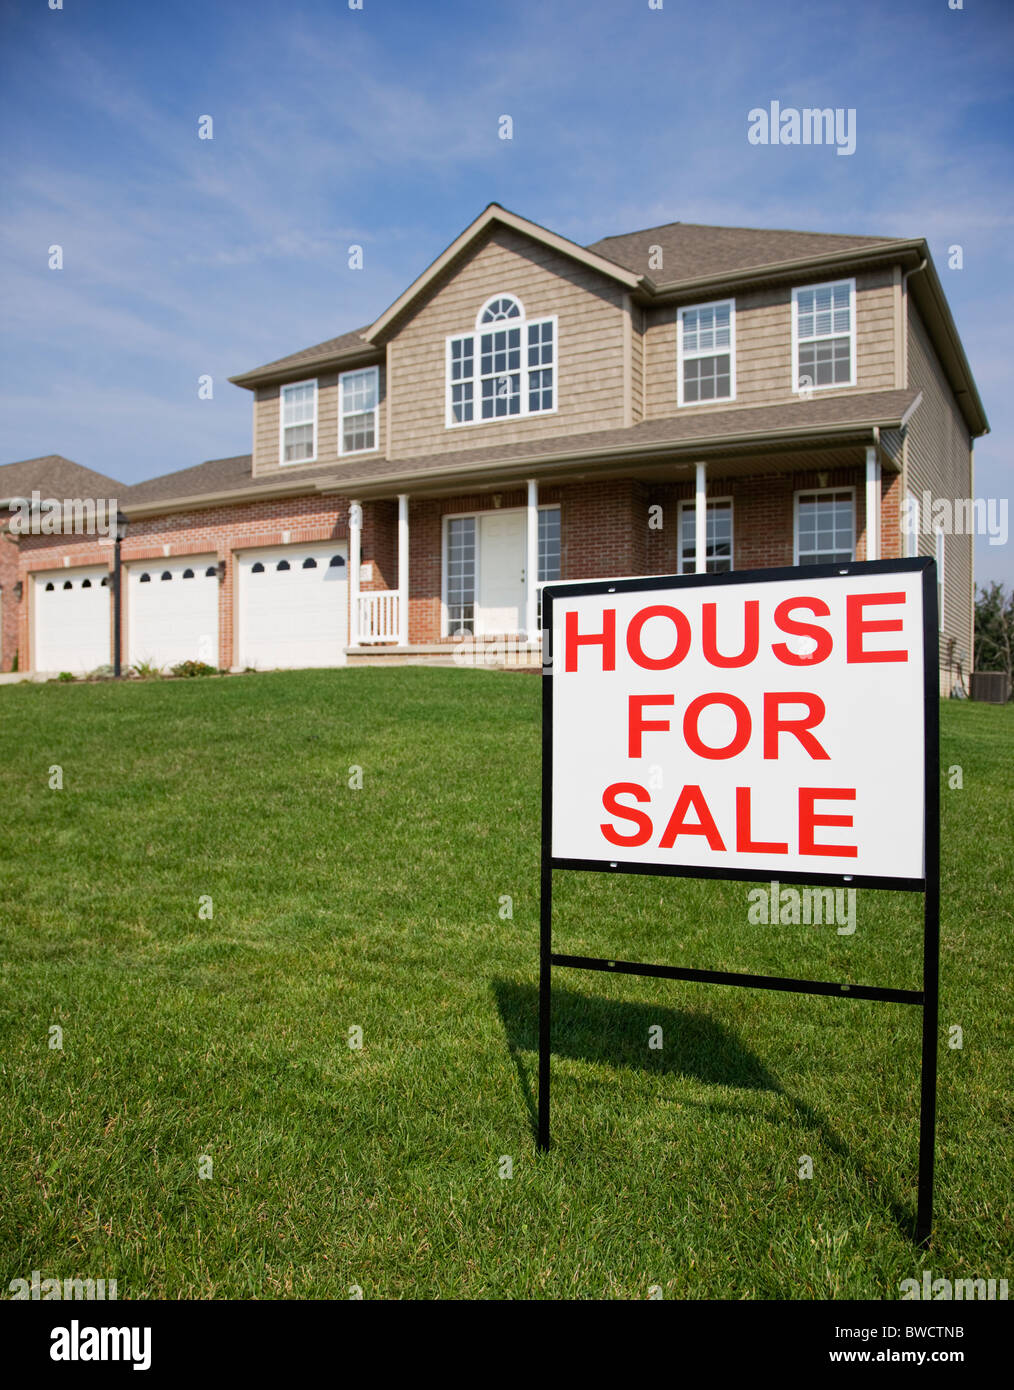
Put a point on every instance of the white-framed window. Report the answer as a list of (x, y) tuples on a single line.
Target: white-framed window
[(706, 353), (463, 560), (825, 526), (824, 336), (719, 536), (505, 369), (299, 422), (940, 577), (358, 410)]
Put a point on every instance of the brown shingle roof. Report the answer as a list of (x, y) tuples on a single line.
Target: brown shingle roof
[(55, 476), (692, 252), (861, 410), (204, 479), (345, 345)]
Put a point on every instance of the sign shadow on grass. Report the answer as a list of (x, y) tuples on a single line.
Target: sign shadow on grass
[(615, 1032)]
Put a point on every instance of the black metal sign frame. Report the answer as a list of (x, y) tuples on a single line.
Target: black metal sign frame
[(927, 998)]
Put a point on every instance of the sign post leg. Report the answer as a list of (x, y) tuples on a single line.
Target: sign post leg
[(545, 996), (928, 1101)]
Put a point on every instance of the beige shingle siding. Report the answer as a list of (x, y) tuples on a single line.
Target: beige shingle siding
[(764, 344), (589, 347), (266, 441), (637, 363), (938, 455)]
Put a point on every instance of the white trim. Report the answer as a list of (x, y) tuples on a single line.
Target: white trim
[(819, 492), (831, 385), (872, 503), (691, 506), (531, 558), (355, 559), (358, 371), (476, 517), (403, 568), (941, 592), (288, 386), (681, 357), (523, 324)]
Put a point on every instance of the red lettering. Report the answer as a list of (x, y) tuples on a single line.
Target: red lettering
[(741, 737), (856, 625), (751, 635), (637, 723), (795, 628), (808, 819), (774, 724), (744, 844), (661, 663), (691, 797), (606, 639), (642, 834)]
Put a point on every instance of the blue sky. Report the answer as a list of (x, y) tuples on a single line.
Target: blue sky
[(184, 257)]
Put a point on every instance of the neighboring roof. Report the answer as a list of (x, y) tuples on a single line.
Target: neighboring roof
[(691, 251), (57, 477), (852, 415), (347, 345)]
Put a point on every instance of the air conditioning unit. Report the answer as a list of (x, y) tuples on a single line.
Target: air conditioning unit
[(991, 687)]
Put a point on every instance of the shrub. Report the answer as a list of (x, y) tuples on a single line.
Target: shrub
[(146, 670), (194, 668)]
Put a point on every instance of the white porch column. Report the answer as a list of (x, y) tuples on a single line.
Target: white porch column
[(403, 569), (532, 560), (872, 503), (355, 552), (701, 520)]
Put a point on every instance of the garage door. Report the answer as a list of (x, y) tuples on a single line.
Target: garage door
[(72, 613), (172, 611), (293, 606)]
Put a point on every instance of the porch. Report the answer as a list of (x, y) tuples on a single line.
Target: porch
[(468, 569)]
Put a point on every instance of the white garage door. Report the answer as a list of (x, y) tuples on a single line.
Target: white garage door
[(172, 611), (293, 606), (72, 615)]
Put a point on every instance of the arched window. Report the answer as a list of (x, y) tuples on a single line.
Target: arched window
[(86, 583), (212, 572), (499, 308), (105, 583), (337, 562), (50, 587), (258, 568), (283, 565), (145, 578), (188, 574), (309, 563), (67, 584), (166, 574), (505, 369)]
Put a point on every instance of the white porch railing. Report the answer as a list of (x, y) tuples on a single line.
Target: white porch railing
[(379, 616)]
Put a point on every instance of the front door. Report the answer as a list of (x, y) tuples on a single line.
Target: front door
[(501, 572)]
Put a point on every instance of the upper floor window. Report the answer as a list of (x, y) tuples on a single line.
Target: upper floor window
[(505, 369), (706, 353), (825, 527), (299, 422), (718, 538), (358, 406), (824, 335)]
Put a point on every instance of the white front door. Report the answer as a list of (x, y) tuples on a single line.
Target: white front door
[(293, 605), (501, 572), (72, 616), (172, 611)]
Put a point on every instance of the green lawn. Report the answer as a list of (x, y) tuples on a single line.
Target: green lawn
[(380, 909)]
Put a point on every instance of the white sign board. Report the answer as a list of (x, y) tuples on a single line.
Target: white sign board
[(740, 726)]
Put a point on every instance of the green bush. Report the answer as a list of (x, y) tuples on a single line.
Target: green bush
[(194, 668)]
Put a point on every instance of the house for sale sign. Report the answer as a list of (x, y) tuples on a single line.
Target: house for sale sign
[(753, 725)]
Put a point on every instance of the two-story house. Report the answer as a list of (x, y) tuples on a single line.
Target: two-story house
[(681, 398)]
